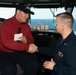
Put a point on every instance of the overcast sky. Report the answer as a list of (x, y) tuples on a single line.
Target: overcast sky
[(6, 12), (45, 13), (39, 13)]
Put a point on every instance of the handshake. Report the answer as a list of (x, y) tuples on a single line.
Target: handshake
[(32, 48)]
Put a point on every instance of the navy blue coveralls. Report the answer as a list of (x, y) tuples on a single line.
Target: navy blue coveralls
[(64, 56)]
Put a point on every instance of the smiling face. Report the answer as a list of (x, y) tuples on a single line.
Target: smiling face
[(21, 16)]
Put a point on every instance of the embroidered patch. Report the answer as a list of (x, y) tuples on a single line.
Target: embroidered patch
[(60, 54)]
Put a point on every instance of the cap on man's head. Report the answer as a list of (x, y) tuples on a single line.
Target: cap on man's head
[(25, 9)]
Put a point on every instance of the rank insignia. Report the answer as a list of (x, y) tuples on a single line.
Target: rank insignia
[(60, 54)]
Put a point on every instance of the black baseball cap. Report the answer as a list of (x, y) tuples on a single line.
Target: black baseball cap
[(25, 9)]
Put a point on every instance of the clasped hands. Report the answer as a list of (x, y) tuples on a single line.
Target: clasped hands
[(32, 47)]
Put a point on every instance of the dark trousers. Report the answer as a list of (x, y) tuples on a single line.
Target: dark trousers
[(27, 61)]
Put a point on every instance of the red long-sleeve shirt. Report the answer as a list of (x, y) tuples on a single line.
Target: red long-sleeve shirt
[(8, 29)]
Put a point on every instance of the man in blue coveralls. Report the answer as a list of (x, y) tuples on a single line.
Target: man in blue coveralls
[(63, 60)]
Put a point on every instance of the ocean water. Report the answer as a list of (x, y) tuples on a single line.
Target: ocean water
[(49, 22)]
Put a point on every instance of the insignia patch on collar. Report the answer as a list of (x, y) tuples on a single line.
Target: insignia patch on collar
[(60, 54)]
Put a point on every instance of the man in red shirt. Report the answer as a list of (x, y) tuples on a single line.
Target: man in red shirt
[(17, 44)]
